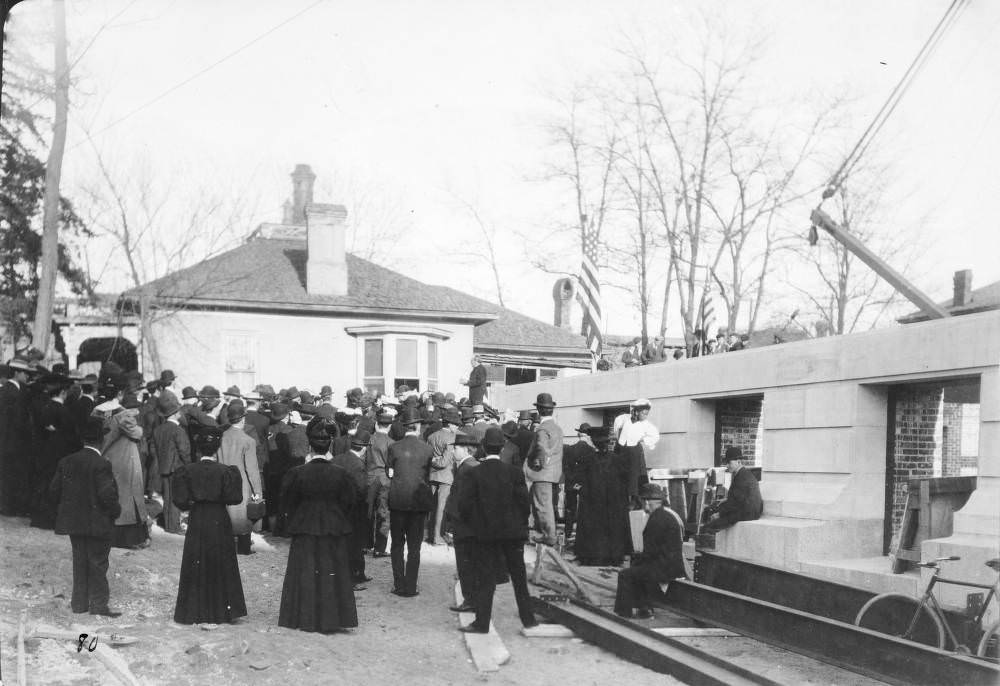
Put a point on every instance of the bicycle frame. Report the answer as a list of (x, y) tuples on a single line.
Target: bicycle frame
[(930, 600)]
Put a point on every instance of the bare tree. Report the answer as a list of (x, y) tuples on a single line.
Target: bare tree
[(376, 219), (585, 140), (844, 293), (156, 230), (485, 249), (634, 251), (700, 171)]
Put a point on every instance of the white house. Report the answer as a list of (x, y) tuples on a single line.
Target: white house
[(291, 307)]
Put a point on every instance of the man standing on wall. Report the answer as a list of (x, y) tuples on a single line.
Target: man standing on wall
[(476, 382), (543, 468)]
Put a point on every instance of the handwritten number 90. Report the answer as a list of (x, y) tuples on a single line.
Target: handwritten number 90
[(91, 646)]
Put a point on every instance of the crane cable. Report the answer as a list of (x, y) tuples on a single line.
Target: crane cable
[(928, 48)]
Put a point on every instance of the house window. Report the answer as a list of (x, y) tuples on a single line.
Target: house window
[(241, 361), (374, 379), (406, 364), (432, 365), (517, 375)]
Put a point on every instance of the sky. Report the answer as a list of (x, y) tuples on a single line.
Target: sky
[(439, 105)]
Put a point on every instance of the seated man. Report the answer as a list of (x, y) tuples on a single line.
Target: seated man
[(743, 502), (661, 558)]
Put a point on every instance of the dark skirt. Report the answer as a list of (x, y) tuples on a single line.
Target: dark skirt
[(210, 589), (318, 593), (602, 515), (130, 535)]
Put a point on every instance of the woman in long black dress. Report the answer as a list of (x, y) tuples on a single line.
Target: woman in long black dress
[(318, 592), (210, 589), (602, 512)]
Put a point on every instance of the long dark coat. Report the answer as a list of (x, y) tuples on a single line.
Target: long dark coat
[(57, 442), (743, 502), (602, 512), (15, 450), (210, 589), (85, 494), (318, 592), (410, 489)]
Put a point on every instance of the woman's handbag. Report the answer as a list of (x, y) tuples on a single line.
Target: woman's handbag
[(256, 507)]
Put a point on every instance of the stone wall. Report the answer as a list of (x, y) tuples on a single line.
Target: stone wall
[(738, 424), (824, 425)]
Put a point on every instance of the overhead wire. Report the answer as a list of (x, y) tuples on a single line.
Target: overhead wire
[(916, 66), (203, 71)]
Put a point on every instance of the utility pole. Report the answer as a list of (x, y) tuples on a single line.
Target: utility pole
[(53, 172)]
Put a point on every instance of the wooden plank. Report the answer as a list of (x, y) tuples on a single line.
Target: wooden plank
[(487, 650), (111, 639), (547, 631), (562, 564), (22, 667), (536, 573), (115, 664)]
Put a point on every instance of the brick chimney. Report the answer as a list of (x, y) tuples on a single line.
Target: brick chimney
[(963, 288), (326, 264), (562, 295), (302, 192)]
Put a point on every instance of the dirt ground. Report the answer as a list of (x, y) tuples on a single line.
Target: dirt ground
[(411, 639)]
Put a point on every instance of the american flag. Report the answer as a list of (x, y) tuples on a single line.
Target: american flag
[(707, 315), (590, 288)]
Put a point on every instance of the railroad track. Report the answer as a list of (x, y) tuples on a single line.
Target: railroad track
[(819, 649), (644, 646)]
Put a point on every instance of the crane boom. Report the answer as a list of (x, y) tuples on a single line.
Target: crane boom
[(878, 265)]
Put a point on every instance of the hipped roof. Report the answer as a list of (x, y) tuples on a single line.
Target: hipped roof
[(268, 274)]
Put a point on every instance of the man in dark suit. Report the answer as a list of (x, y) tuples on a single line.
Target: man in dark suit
[(279, 461), (16, 439), (576, 457), (353, 462), (86, 496), (408, 465), (660, 560), (494, 501), (256, 427), (171, 449), (743, 502), (525, 433), (84, 404), (463, 535), (477, 382)]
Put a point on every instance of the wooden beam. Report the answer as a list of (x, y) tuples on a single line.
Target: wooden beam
[(22, 667), (878, 265), (487, 650), (547, 631)]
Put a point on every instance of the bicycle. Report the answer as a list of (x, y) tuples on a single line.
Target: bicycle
[(922, 620)]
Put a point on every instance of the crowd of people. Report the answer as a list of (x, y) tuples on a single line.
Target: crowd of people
[(656, 349), (102, 457)]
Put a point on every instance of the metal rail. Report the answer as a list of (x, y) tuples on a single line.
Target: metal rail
[(647, 648), (839, 643)]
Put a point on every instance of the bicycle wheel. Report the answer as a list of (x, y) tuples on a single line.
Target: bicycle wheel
[(989, 646), (891, 613)]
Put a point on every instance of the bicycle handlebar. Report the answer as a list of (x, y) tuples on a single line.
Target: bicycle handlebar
[(933, 564)]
